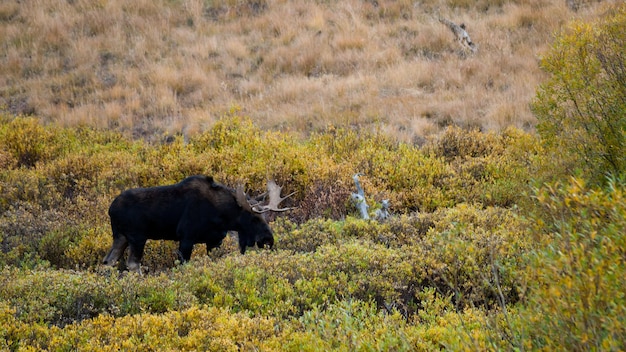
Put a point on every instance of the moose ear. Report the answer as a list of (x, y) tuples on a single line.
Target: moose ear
[(241, 198)]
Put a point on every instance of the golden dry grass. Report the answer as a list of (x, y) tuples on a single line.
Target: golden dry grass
[(152, 67)]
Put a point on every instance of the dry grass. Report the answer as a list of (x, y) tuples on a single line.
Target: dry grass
[(152, 67)]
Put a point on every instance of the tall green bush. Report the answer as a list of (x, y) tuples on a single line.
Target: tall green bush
[(582, 107)]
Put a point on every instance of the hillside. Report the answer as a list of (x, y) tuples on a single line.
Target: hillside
[(150, 68)]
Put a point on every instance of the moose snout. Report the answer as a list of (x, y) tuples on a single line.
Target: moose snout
[(267, 242)]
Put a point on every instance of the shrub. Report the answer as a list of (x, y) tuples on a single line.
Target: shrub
[(348, 325), (27, 230), (28, 142), (306, 237), (475, 254), (456, 143), (581, 107), (287, 284), (577, 299), (489, 168), (85, 249), (60, 297), (328, 199), (194, 328)]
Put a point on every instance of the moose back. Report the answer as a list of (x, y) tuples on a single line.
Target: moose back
[(195, 210)]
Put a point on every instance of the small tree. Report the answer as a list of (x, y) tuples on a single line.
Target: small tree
[(582, 107)]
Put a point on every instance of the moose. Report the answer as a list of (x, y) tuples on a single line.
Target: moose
[(195, 210)]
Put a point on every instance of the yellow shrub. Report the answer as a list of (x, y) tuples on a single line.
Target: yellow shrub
[(577, 299), (29, 142)]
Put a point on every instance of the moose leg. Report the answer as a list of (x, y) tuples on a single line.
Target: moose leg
[(184, 251), (136, 253), (117, 249), (215, 243), (242, 243), (210, 246)]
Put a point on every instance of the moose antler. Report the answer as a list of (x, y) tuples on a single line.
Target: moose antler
[(242, 199), (254, 204), (273, 190)]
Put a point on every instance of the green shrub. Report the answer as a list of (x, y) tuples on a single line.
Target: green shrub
[(476, 255), (349, 325), (61, 297), (577, 299), (306, 237), (581, 107), (286, 284), (472, 253), (488, 168)]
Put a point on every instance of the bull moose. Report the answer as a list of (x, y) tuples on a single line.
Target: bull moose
[(195, 210)]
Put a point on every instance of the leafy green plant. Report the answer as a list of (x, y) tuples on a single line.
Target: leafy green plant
[(350, 325), (577, 300), (581, 107)]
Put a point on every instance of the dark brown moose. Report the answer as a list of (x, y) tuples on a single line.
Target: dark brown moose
[(195, 210)]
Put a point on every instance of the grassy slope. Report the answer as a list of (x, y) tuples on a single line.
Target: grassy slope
[(149, 67)]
